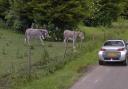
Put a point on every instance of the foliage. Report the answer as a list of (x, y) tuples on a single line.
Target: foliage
[(125, 9), (58, 15), (4, 6), (104, 12), (63, 14), (18, 16)]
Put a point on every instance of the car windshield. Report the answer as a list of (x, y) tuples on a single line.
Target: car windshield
[(113, 43)]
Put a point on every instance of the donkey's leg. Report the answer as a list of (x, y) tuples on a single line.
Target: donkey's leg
[(42, 37), (28, 40), (74, 40), (25, 40), (65, 42), (41, 40), (74, 45), (81, 43)]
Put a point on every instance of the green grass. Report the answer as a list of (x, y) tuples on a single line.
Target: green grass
[(54, 73), (14, 58), (62, 79), (14, 55), (13, 51)]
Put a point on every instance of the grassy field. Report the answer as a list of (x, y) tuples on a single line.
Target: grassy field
[(15, 52), (14, 57), (52, 72)]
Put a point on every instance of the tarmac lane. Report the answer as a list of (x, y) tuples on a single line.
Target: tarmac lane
[(104, 77)]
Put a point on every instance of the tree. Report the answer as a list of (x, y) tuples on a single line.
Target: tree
[(105, 12), (125, 9), (19, 16), (57, 15), (60, 14), (4, 6)]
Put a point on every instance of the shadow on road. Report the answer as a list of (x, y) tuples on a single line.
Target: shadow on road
[(114, 64)]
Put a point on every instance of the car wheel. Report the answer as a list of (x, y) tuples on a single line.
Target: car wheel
[(125, 62), (101, 62)]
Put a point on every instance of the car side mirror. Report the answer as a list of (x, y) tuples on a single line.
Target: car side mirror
[(127, 44)]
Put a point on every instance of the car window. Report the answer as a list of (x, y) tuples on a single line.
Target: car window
[(113, 43)]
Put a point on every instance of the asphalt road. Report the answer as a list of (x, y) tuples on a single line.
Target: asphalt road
[(104, 77)]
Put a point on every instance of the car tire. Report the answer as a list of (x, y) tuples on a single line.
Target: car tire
[(125, 62), (101, 62)]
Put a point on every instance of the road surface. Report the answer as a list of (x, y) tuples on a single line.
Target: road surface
[(104, 77)]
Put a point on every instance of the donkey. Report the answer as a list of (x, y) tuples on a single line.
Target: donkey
[(73, 35), (35, 33)]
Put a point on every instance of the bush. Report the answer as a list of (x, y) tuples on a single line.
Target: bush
[(2, 24)]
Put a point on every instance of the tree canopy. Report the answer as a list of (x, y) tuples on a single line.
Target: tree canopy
[(58, 15)]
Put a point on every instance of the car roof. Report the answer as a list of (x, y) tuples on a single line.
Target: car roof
[(115, 40)]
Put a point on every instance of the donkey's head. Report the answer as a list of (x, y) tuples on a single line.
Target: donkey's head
[(44, 32), (81, 35)]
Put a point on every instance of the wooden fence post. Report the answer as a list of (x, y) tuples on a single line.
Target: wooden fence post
[(29, 62), (65, 50)]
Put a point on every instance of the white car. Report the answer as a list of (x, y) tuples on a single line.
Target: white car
[(113, 51)]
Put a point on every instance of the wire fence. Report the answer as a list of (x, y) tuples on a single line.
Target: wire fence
[(21, 62), (27, 62)]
